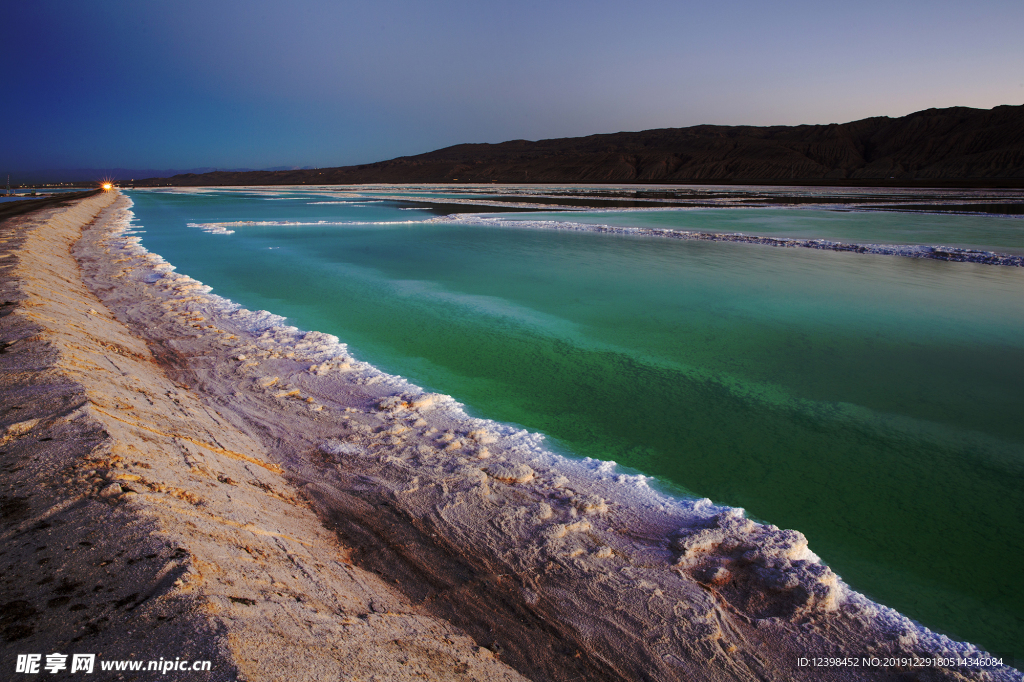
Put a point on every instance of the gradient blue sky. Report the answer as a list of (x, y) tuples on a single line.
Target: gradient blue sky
[(324, 83)]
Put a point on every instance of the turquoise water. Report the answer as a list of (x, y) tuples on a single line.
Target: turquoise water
[(871, 402), (987, 233)]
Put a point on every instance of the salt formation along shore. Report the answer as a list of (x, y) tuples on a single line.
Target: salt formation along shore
[(187, 479)]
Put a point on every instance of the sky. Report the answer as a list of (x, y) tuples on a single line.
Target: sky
[(258, 84)]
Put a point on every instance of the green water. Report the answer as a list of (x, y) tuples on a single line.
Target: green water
[(873, 403)]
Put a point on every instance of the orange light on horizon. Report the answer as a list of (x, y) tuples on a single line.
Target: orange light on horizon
[(107, 186)]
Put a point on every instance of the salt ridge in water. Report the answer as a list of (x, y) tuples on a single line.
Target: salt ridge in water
[(934, 252)]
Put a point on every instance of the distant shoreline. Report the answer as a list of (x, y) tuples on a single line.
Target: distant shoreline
[(970, 183)]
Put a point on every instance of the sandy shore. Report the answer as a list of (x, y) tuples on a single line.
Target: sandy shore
[(185, 478)]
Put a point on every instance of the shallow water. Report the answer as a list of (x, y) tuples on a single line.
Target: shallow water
[(871, 402)]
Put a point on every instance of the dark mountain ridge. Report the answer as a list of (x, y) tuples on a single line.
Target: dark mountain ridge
[(956, 146)]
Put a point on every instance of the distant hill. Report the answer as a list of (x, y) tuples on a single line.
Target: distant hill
[(955, 146)]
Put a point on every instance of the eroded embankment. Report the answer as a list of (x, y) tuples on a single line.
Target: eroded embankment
[(563, 570), (138, 523)]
